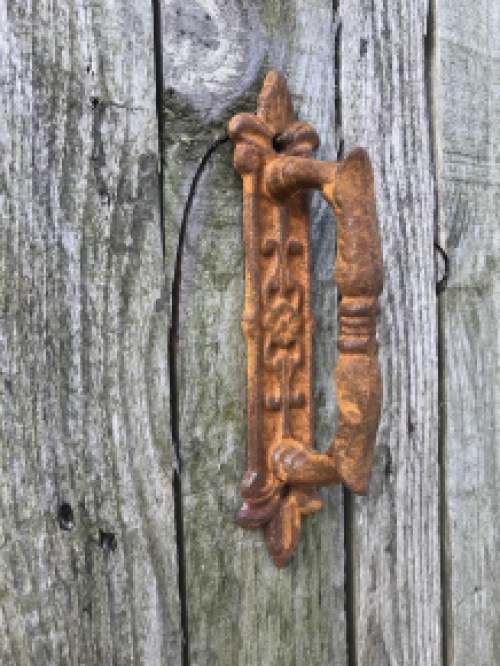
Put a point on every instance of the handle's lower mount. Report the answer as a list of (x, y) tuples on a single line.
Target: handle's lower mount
[(273, 154)]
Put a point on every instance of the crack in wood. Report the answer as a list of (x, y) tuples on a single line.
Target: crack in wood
[(172, 353), (173, 349), (430, 55)]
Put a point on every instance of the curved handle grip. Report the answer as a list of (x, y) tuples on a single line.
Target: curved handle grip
[(348, 187), (359, 277), (273, 154)]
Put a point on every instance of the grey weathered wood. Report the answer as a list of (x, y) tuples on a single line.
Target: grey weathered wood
[(469, 142), (241, 610), (395, 529), (84, 333), (84, 390)]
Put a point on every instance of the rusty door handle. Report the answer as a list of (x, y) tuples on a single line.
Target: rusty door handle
[(273, 154)]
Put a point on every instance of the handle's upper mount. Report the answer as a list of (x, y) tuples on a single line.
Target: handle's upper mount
[(273, 154)]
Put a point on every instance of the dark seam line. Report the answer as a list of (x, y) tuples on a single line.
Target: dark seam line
[(348, 501), (430, 55), (173, 349), (349, 592), (178, 513), (338, 92), (442, 484), (176, 486), (158, 53)]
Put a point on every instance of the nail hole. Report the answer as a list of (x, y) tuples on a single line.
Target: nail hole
[(66, 518), (94, 101), (388, 465), (107, 541), (282, 141)]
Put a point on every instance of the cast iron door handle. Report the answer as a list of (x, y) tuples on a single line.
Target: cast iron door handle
[(273, 154)]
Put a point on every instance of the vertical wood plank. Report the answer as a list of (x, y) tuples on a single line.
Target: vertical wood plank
[(395, 529), (469, 104), (84, 329), (241, 610)]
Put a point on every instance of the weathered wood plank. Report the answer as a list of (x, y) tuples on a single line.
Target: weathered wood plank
[(396, 531), (241, 610), (85, 400), (469, 62)]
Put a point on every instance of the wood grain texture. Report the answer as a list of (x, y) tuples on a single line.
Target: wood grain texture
[(84, 332), (241, 610), (395, 529), (469, 105)]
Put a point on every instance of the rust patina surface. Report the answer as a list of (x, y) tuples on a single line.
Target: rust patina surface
[(273, 154)]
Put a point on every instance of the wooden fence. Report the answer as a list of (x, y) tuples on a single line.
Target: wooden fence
[(119, 476)]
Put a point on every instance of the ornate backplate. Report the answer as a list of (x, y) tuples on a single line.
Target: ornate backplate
[(273, 154)]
